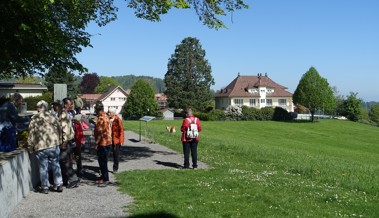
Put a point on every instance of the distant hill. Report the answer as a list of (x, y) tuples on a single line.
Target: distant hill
[(128, 81)]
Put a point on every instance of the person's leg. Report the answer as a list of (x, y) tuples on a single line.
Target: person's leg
[(194, 153), (56, 169), (102, 153), (186, 152), (116, 156), (43, 169), (63, 164), (72, 178), (78, 158)]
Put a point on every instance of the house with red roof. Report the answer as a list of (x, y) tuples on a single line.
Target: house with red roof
[(254, 91), (115, 97)]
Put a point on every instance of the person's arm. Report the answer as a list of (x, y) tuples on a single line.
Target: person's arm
[(121, 132), (198, 125)]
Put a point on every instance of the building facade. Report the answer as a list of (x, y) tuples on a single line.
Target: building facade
[(254, 91)]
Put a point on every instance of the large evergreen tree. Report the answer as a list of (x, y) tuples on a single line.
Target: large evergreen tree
[(188, 78), (141, 101), (58, 74), (35, 35), (314, 92), (89, 83)]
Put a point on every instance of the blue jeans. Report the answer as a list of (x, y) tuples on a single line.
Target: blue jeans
[(46, 157), (102, 155)]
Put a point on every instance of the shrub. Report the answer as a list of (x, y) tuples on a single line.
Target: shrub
[(32, 101)]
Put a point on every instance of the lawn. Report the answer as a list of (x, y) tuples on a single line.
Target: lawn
[(263, 169)]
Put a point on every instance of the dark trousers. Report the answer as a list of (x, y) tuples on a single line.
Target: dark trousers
[(187, 148), (78, 110), (102, 155), (116, 156), (65, 161), (78, 157)]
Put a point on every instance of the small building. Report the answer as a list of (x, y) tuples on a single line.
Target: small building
[(254, 91), (167, 114), (25, 89)]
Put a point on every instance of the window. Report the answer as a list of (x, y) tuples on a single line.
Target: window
[(121, 99), (238, 101), (262, 90), (113, 99), (252, 102), (269, 101), (263, 101), (282, 101)]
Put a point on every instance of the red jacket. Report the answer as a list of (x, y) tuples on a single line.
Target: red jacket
[(186, 123), (79, 136), (117, 131), (102, 130)]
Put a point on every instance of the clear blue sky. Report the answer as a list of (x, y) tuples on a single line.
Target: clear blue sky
[(340, 38)]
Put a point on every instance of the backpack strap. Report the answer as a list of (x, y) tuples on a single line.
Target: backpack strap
[(192, 121)]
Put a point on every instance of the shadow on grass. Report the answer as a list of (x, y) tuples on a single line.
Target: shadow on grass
[(159, 214), (168, 164)]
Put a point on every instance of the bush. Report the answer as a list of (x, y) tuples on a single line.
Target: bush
[(267, 113), (32, 101), (280, 114)]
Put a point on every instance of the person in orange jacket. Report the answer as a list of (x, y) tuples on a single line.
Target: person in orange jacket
[(117, 136), (103, 140)]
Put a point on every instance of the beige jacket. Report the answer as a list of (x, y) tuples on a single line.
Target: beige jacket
[(68, 132), (44, 131)]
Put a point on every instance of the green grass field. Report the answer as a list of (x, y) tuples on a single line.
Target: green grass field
[(264, 169)]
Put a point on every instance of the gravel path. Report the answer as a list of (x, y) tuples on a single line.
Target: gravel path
[(91, 200)]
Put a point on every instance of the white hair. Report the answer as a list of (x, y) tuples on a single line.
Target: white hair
[(112, 110), (42, 105)]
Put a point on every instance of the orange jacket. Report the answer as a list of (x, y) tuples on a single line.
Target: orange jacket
[(102, 130), (117, 131)]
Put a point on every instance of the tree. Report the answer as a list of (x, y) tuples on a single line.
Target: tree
[(188, 78), (35, 35), (141, 101), (89, 83), (105, 83), (352, 107), (58, 74), (314, 92), (29, 79), (374, 113)]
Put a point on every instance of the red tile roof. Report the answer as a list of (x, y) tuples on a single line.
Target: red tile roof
[(240, 85)]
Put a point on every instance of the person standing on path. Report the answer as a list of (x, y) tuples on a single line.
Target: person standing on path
[(190, 142), (78, 104), (117, 136), (103, 141), (68, 135), (44, 139)]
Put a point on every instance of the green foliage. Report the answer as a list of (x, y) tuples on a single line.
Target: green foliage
[(374, 113), (281, 114), (188, 78), (128, 81), (264, 169), (32, 101), (352, 108), (207, 10), (58, 74), (214, 115), (314, 92), (35, 35), (29, 79), (141, 101), (105, 83)]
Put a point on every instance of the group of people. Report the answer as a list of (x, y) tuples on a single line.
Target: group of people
[(57, 140)]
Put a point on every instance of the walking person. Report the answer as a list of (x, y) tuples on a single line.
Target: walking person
[(65, 158), (117, 130), (103, 140), (190, 138), (44, 139)]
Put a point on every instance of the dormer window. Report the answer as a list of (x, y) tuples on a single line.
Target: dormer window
[(253, 91)]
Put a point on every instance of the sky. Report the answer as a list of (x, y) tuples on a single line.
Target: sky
[(340, 38)]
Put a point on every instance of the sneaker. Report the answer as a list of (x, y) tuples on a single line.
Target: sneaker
[(73, 184), (44, 191), (59, 188), (99, 181)]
